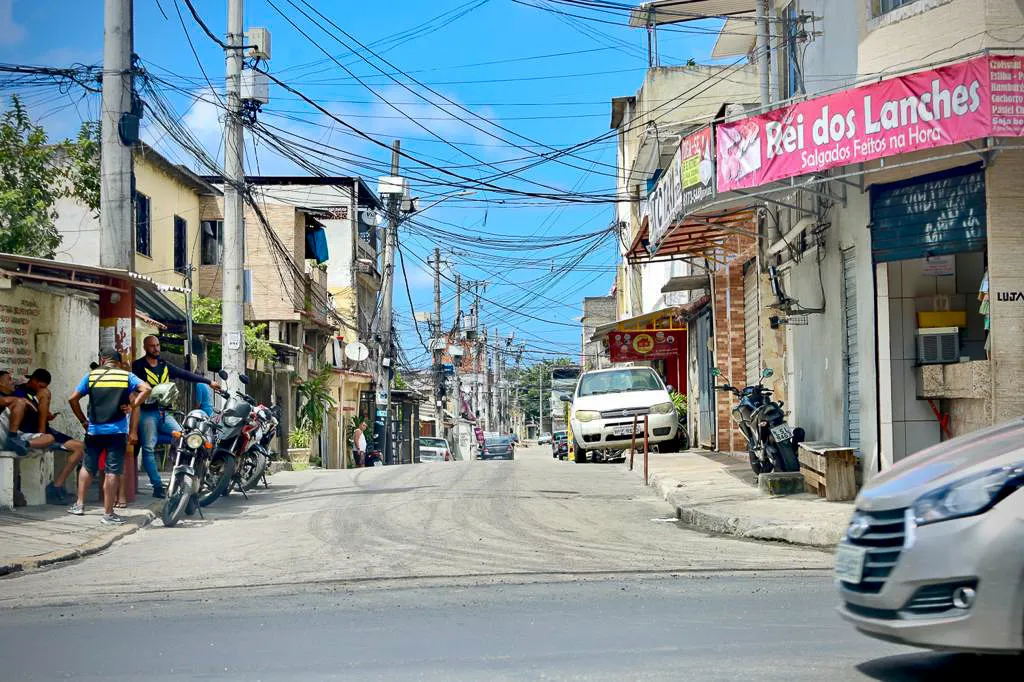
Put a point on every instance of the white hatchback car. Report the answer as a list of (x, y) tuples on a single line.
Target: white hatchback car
[(607, 401)]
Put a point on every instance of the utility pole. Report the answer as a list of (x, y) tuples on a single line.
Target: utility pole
[(457, 359), (117, 238), (764, 51), (381, 424), (540, 402), (437, 344), (233, 313)]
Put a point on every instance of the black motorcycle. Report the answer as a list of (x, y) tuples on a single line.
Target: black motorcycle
[(191, 458), (228, 444), (771, 443)]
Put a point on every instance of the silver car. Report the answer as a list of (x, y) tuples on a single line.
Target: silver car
[(934, 553)]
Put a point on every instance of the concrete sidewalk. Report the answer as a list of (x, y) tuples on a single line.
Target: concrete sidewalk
[(718, 493), (32, 537)]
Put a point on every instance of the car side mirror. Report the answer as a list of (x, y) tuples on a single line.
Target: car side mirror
[(223, 375), (565, 398)]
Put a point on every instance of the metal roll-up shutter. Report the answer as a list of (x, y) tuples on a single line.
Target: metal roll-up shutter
[(932, 215), (751, 323), (851, 359)]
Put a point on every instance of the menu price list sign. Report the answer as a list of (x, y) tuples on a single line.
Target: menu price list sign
[(15, 336), (1006, 75)]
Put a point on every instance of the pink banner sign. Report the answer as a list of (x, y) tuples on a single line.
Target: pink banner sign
[(951, 104)]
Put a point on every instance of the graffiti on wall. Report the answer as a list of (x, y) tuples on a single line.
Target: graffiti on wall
[(16, 348)]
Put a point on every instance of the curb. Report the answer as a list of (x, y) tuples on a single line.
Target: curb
[(92, 546), (702, 517)]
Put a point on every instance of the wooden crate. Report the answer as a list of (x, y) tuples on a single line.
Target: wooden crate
[(829, 470)]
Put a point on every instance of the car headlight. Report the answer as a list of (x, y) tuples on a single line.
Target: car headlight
[(663, 408), (968, 496), (194, 441), (587, 415)]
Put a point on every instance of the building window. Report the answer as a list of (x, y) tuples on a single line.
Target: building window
[(180, 244), (211, 241), (143, 219), (880, 7)]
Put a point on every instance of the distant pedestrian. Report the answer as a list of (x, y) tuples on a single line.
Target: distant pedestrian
[(359, 444)]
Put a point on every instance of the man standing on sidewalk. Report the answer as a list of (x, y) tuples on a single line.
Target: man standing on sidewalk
[(359, 444), (153, 420), (113, 395)]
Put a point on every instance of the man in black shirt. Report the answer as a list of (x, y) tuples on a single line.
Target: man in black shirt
[(152, 419)]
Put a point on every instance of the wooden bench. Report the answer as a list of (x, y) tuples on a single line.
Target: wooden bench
[(36, 469), (829, 470)]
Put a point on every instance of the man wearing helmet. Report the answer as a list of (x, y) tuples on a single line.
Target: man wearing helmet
[(153, 418)]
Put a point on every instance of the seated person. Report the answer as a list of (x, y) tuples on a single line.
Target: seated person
[(36, 390), (12, 415)]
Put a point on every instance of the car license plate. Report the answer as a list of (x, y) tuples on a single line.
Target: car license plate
[(627, 430), (782, 432), (850, 563)]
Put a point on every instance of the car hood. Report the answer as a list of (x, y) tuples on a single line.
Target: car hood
[(942, 464), (620, 401)]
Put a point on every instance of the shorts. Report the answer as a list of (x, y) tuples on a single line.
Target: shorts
[(59, 439), (115, 445)]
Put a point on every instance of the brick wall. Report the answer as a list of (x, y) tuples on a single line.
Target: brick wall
[(730, 339)]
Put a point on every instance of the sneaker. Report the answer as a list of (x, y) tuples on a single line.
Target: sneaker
[(16, 445), (55, 495), (159, 492), (77, 509), (112, 520)]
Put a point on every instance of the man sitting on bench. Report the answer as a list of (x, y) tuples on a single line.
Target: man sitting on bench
[(12, 414)]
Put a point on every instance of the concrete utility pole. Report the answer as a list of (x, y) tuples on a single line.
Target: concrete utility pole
[(763, 51), (117, 238), (437, 345), (540, 402), (233, 313), (381, 429), (457, 359)]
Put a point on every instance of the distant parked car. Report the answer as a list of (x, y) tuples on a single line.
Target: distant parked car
[(934, 552), (499, 447), (544, 439), (560, 444), (434, 450)]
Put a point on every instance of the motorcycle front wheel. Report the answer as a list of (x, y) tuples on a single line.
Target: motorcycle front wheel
[(755, 463), (218, 477), (251, 478), (177, 501), (783, 456)]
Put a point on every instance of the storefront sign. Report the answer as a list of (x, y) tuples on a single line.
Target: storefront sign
[(666, 201), (939, 266), (973, 99), (630, 346)]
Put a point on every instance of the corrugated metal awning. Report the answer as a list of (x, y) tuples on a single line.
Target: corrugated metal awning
[(156, 305), (687, 283)]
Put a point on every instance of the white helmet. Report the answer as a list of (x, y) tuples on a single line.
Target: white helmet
[(164, 395)]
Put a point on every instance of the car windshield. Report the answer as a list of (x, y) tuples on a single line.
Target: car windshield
[(619, 381), (433, 443)]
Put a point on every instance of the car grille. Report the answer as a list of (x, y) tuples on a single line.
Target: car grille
[(884, 540), (625, 412), (932, 599)]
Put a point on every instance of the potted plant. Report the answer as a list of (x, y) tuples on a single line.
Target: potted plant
[(298, 447)]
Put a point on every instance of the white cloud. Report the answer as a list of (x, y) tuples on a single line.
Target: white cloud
[(11, 32)]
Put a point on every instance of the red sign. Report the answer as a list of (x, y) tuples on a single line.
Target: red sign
[(630, 346), (977, 98)]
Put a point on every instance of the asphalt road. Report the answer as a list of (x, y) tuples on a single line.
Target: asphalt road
[(533, 569)]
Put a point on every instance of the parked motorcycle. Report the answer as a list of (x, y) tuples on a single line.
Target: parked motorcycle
[(191, 457), (228, 444), (262, 428), (771, 442)]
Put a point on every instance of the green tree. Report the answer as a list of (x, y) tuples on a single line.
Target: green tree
[(34, 174), (529, 380), (315, 402)]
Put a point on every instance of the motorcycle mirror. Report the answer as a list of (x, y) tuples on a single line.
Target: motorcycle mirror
[(223, 375), (715, 372), (768, 372), (244, 378)]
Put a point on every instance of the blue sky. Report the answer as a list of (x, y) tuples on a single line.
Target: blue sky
[(492, 57)]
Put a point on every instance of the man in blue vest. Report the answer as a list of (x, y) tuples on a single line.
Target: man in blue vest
[(114, 393), (153, 420)]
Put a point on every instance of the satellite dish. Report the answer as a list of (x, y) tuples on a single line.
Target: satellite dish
[(371, 217), (357, 352)]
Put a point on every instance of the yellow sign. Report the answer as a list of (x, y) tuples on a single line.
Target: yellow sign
[(643, 343), (691, 170)]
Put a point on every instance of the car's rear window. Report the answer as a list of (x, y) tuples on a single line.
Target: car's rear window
[(433, 442), (497, 441)]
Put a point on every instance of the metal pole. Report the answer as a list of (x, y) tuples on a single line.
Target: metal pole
[(646, 447), (763, 52), (436, 341), (457, 360), (381, 425), (233, 313), (117, 240)]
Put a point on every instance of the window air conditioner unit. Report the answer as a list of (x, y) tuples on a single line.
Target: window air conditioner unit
[(938, 345)]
